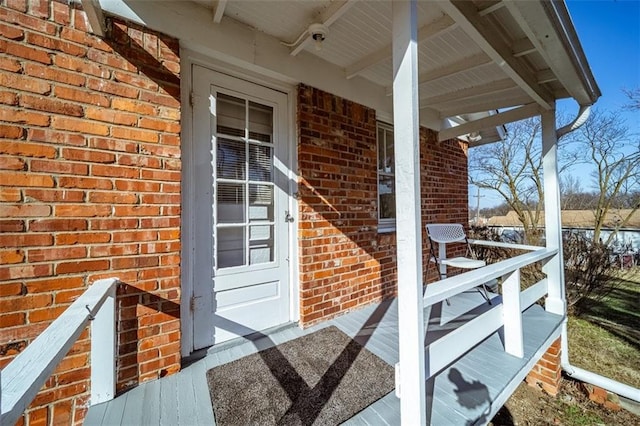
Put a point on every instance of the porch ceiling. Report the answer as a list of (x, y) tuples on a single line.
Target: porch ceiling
[(474, 56)]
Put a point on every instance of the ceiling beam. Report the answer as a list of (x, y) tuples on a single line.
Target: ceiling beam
[(522, 47), (466, 15), (95, 17), (545, 76), (218, 10), (490, 9), (466, 64), (471, 107), (463, 65), (328, 17), (470, 92), (430, 30), (515, 114)]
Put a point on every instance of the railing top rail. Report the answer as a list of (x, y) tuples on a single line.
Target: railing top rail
[(449, 287), (504, 245), (25, 375)]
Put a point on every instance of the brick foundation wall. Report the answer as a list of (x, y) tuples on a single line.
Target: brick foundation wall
[(547, 373), (89, 188), (344, 262)]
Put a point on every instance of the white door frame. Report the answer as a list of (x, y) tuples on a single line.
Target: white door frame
[(187, 59)]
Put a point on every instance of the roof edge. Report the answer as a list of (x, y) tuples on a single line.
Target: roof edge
[(561, 19)]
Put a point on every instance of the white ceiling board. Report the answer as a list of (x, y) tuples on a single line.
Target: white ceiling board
[(459, 57)]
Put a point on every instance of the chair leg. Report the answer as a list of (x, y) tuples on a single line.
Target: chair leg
[(485, 293)]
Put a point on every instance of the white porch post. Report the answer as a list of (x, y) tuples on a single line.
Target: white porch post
[(554, 269), (411, 376), (103, 350)]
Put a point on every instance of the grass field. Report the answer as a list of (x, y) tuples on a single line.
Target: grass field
[(606, 338)]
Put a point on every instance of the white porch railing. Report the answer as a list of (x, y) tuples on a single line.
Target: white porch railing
[(452, 346), (23, 377)]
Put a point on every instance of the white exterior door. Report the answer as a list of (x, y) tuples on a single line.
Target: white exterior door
[(240, 190)]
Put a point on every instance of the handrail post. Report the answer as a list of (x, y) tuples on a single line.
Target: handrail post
[(512, 315), (103, 350)]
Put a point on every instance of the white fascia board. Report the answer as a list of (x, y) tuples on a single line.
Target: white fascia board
[(241, 46), (563, 55)]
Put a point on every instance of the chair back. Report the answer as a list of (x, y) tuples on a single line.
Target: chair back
[(446, 232)]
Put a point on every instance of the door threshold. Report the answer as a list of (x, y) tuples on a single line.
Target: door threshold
[(250, 337)]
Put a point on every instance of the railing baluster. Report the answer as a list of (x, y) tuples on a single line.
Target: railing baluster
[(103, 351), (513, 337)]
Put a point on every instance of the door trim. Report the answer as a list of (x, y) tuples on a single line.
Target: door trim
[(188, 59)]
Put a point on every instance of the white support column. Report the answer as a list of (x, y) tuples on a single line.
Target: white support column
[(554, 268), (103, 351), (408, 216), (512, 315)]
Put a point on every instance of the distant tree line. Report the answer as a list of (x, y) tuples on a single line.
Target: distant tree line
[(572, 198)]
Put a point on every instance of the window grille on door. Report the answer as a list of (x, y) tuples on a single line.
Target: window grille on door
[(244, 189)]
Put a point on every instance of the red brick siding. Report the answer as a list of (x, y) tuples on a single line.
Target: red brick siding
[(344, 261), (89, 188), (547, 372)]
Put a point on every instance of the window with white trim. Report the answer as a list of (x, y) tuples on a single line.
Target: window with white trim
[(386, 178)]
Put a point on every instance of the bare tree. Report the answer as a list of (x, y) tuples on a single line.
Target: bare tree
[(571, 193), (615, 153), (513, 168), (634, 99)]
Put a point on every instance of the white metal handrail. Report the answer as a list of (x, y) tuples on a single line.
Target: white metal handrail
[(449, 287), (25, 375), (507, 314)]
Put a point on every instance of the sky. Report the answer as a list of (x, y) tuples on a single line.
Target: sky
[(609, 31)]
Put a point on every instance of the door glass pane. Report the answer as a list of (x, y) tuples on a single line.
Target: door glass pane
[(230, 115), (260, 202), (260, 122), (231, 243), (260, 163), (230, 159), (261, 244), (231, 203)]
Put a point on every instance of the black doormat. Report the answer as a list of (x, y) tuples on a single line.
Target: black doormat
[(323, 378)]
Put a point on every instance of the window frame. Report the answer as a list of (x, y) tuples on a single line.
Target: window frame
[(384, 224)]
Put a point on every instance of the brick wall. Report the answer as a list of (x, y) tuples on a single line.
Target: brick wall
[(344, 261), (547, 372), (89, 188)]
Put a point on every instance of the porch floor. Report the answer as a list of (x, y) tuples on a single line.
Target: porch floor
[(469, 391)]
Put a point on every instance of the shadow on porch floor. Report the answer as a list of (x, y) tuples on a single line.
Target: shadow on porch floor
[(470, 391)]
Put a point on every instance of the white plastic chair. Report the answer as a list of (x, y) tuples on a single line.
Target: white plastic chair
[(447, 233)]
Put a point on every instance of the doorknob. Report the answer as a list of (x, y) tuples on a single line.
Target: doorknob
[(288, 217)]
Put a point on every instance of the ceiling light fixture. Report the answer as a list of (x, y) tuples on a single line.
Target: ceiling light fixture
[(318, 34)]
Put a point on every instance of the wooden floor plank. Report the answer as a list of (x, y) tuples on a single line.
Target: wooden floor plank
[(204, 411), (169, 401), (114, 411), (186, 399), (95, 415), (151, 403), (132, 412)]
